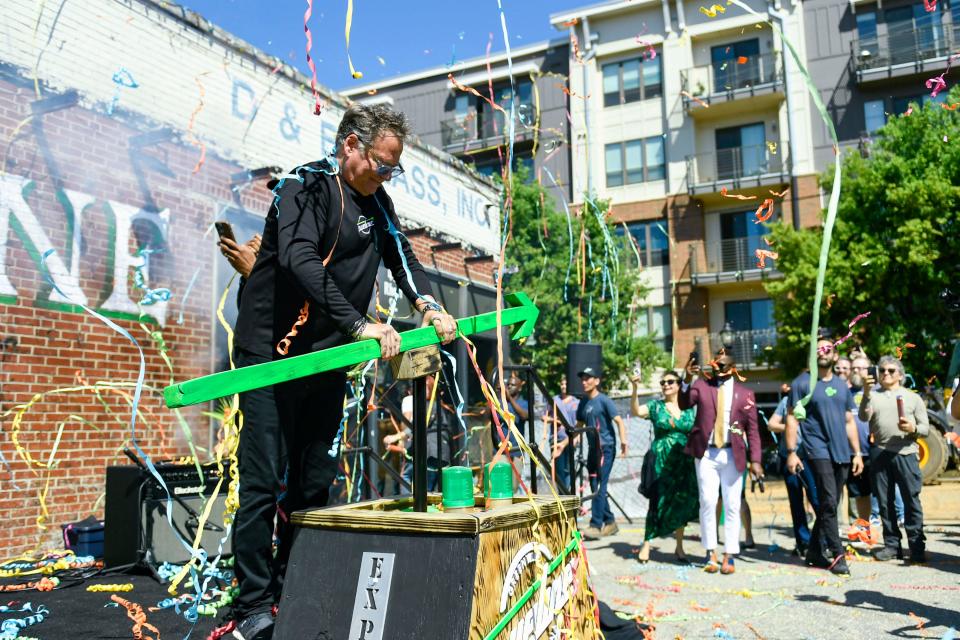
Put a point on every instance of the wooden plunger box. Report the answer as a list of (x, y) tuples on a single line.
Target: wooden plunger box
[(372, 571)]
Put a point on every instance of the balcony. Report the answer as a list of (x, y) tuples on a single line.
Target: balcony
[(906, 52), (729, 261), (751, 349), (721, 88), (736, 168), (477, 130)]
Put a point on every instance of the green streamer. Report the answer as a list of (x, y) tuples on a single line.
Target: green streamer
[(800, 411)]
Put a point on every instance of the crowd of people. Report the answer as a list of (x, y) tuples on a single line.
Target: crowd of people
[(854, 427)]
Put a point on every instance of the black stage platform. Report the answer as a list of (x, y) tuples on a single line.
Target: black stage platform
[(77, 614)]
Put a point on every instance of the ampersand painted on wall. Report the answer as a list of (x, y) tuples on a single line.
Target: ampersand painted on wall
[(288, 128)]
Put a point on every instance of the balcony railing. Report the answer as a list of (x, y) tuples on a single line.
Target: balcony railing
[(483, 128), (750, 349), (758, 164), (732, 77), (730, 260), (915, 47)]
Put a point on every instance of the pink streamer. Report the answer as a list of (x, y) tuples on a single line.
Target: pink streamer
[(318, 107)]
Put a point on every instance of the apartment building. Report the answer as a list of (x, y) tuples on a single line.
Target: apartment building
[(871, 60), (472, 129), (674, 112)]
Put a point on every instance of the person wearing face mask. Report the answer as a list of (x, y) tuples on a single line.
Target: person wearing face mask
[(675, 503), (898, 417), (830, 440), (726, 423)]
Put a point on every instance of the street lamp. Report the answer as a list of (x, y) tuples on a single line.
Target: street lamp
[(727, 336)]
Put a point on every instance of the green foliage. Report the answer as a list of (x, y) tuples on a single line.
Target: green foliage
[(895, 248), (539, 246)]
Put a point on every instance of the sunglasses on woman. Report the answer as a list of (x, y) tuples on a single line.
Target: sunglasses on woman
[(890, 371), (664, 383)]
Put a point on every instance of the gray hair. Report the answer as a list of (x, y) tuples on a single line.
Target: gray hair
[(885, 360), (370, 122)]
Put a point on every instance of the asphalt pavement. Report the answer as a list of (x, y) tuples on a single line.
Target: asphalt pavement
[(773, 595)]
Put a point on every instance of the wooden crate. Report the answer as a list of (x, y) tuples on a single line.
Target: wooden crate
[(371, 571)]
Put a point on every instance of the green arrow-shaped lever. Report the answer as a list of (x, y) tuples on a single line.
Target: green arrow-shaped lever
[(217, 385)]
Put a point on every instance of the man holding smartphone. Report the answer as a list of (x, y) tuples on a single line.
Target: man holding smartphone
[(898, 417), (329, 227), (723, 438)]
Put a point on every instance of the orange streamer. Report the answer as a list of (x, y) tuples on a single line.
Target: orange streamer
[(764, 211)]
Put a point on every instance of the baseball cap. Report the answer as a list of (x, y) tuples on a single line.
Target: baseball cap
[(589, 372)]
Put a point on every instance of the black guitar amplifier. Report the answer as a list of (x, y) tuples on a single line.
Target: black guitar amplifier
[(142, 523)]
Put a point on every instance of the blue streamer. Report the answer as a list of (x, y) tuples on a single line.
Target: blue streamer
[(10, 629), (121, 78), (135, 404)]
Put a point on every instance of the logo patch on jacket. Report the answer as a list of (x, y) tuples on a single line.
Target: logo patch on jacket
[(364, 224)]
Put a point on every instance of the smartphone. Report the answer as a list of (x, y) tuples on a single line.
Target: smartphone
[(872, 372), (636, 370), (224, 230), (694, 358), (901, 412)]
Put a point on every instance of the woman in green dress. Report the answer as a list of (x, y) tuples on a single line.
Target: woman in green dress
[(677, 500)]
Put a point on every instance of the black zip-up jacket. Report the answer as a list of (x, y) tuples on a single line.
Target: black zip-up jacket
[(299, 232)]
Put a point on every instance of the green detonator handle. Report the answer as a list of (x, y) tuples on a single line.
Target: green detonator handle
[(225, 383)]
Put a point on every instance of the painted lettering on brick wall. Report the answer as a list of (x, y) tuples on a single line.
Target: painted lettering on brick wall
[(418, 182), (17, 217)]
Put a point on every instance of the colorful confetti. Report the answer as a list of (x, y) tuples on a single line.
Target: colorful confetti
[(764, 211), (763, 255), (713, 10), (723, 192)]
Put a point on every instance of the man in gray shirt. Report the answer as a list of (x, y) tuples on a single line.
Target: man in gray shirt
[(893, 456)]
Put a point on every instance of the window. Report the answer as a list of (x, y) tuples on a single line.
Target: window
[(735, 65), (740, 237), (612, 153), (493, 122), (652, 242), (867, 35), (902, 103), (749, 315), (873, 115), (635, 161), (914, 33), (631, 80), (741, 151), (656, 322)]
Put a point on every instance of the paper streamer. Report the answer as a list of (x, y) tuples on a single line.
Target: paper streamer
[(800, 408), (346, 33), (317, 107)]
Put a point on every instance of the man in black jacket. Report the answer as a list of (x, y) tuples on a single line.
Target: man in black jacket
[(330, 225)]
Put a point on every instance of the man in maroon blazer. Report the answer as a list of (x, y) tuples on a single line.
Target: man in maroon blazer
[(726, 425)]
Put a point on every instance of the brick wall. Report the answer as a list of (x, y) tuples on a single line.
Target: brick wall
[(77, 180)]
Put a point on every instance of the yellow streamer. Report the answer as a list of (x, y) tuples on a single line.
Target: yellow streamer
[(712, 11), (346, 32)]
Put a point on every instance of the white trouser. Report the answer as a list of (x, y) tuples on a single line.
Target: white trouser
[(717, 473)]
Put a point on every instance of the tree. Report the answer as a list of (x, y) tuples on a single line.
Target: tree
[(599, 305), (895, 251)]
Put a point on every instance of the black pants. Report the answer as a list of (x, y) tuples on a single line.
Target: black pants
[(286, 437), (830, 479), (889, 470)]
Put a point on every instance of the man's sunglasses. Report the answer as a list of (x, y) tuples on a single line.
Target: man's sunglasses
[(384, 170), (664, 383), (890, 371)]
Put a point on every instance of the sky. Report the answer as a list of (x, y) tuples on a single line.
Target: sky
[(387, 38)]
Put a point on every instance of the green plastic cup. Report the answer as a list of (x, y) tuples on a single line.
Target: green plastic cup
[(457, 488), (498, 481)]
